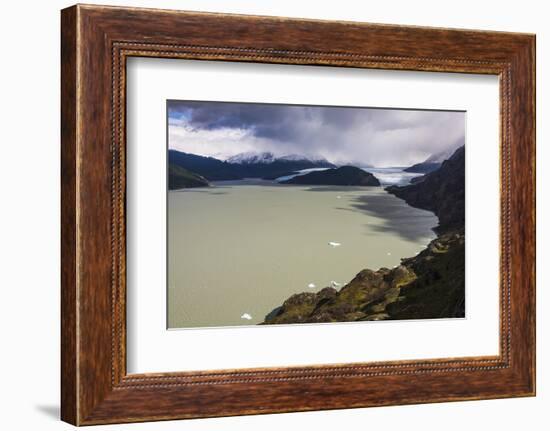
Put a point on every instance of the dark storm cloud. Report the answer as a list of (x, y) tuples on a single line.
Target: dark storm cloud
[(367, 135), (266, 121)]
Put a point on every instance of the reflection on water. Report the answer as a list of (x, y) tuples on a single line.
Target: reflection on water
[(241, 248)]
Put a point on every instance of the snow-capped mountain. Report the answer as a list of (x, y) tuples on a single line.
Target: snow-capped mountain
[(251, 157), (245, 165), (266, 157), (300, 158)]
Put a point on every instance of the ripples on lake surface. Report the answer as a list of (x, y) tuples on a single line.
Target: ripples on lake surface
[(242, 248)]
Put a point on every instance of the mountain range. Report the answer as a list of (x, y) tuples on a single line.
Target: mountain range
[(246, 165), (427, 286), (431, 163), (441, 191), (267, 157), (199, 170)]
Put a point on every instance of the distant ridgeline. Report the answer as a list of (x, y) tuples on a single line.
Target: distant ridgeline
[(423, 167), (430, 164), (426, 286), (211, 169)]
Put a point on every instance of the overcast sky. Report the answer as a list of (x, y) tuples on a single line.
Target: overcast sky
[(368, 136)]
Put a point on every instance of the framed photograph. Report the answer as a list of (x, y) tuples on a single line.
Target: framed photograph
[(265, 215)]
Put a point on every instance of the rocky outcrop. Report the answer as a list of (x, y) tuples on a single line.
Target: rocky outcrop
[(441, 191), (342, 176), (180, 178), (429, 285)]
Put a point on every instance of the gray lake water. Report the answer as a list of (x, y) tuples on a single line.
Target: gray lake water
[(242, 248)]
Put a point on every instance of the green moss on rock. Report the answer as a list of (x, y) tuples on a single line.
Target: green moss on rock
[(429, 285)]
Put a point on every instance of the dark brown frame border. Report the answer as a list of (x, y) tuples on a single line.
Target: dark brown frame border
[(95, 43)]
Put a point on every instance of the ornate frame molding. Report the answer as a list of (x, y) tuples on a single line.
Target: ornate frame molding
[(96, 41)]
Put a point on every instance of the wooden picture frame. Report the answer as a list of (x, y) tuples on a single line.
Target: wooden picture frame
[(95, 43)]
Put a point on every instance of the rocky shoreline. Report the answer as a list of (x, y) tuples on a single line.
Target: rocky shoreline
[(428, 285)]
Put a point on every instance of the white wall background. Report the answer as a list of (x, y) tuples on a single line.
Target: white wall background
[(29, 215)]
